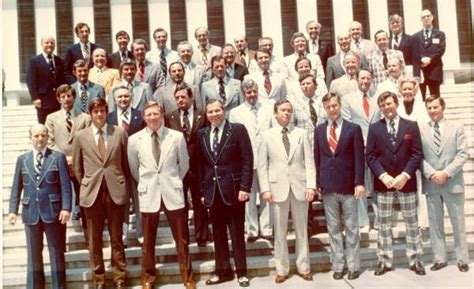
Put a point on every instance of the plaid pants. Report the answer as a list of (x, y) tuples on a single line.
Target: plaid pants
[(408, 206)]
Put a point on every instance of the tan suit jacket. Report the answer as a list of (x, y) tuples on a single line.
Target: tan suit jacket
[(90, 170), (110, 77)]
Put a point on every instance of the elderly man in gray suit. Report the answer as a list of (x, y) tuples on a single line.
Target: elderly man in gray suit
[(335, 66), (346, 83), (194, 74), (445, 152)]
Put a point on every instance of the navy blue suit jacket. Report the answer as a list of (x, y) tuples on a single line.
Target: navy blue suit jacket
[(405, 46), (324, 51), (136, 121), (74, 53), (42, 84), (342, 171), (232, 170), (43, 199), (405, 156), (434, 48)]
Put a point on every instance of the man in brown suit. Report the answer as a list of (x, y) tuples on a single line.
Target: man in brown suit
[(101, 166), (196, 119)]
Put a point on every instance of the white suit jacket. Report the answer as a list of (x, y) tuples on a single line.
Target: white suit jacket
[(278, 91), (163, 180), (290, 72), (279, 172)]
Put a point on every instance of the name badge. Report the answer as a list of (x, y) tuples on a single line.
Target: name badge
[(435, 41)]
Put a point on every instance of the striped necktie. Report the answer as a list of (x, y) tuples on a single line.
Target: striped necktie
[(286, 140), (163, 64), (222, 90), (38, 165), (84, 97), (267, 84), (333, 137), (393, 133), (68, 122), (437, 136), (125, 121)]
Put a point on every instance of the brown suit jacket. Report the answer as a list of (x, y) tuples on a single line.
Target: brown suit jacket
[(90, 170), (58, 137), (252, 54)]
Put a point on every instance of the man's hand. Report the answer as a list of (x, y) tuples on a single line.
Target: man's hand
[(359, 191), (12, 219), (388, 181), (202, 200), (439, 177), (309, 194), (64, 216), (37, 103), (425, 61), (400, 181), (243, 196), (268, 196)]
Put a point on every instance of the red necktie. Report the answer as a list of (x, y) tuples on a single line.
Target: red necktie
[(365, 103), (141, 72), (267, 84), (332, 137)]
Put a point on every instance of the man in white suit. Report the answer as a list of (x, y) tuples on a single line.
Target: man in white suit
[(194, 74), (256, 115), (361, 46), (287, 178), (162, 55), (204, 51), (445, 152), (346, 83), (158, 161)]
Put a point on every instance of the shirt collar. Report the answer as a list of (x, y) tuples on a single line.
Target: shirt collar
[(220, 127), (338, 122), (190, 111), (159, 132), (35, 152), (441, 121), (95, 130)]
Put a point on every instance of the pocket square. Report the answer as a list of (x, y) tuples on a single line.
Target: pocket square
[(407, 136)]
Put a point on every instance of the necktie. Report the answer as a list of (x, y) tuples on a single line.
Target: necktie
[(86, 54), (312, 112), (124, 55), (141, 72), (163, 64), (437, 136), (101, 144), (385, 59), (267, 84), (393, 135), (68, 122), (84, 98), (332, 137), (51, 64), (242, 58), (365, 104), (215, 141), (155, 148), (222, 90), (358, 44), (286, 140), (186, 125), (38, 165), (204, 56), (314, 47), (254, 110), (427, 36), (395, 44), (99, 76), (125, 121), (130, 89)]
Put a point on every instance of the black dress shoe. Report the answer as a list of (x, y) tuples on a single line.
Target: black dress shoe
[(218, 279), (338, 275), (438, 266), (252, 239), (418, 268), (381, 269), (463, 267), (353, 275), (243, 281), (76, 216)]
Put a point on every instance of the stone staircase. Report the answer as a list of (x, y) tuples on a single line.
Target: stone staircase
[(16, 121)]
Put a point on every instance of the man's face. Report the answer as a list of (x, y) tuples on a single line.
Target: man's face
[(161, 37), (83, 34), (176, 73), (139, 51), (98, 116), (201, 37), (344, 42), (388, 108), (48, 44), (251, 95), (240, 43), (228, 53), (382, 41), (66, 99), (435, 110), (215, 113), (152, 117), (356, 30), (364, 81), (332, 108), (99, 58), (283, 114), (219, 69), (396, 26), (128, 72), (313, 31), (267, 44), (299, 44), (351, 63), (81, 73), (427, 18), (183, 100), (308, 86), (394, 68), (303, 67), (122, 98), (39, 137), (408, 91), (185, 53), (122, 42), (263, 60)]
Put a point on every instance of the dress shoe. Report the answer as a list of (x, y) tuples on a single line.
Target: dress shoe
[(418, 268), (353, 275), (100, 286), (147, 285), (463, 267), (338, 275), (201, 243), (280, 278), (306, 276), (243, 281), (76, 216), (120, 285), (218, 279), (438, 266), (190, 285), (381, 269), (252, 239)]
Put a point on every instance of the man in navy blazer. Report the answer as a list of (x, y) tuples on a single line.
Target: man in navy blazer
[(42, 175), (122, 53), (398, 39), (340, 170), (44, 75), (81, 50), (225, 173), (394, 153)]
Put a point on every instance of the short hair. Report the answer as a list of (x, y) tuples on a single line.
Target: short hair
[(342, 34), (184, 43), (400, 63), (65, 88), (246, 84), (302, 58), (159, 29), (99, 49), (297, 35), (311, 22), (327, 97), (354, 23), (351, 53), (201, 28), (30, 131), (122, 33), (79, 63), (279, 103), (244, 36), (306, 75), (408, 79), (98, 103), (152, 103), (385, 95), (127, 61), (364, 69), (395, 17), (216, 58), (215, 100), (140, 41), (380, 32), (183, 86), (176, 62), (432, 98), (228, 45), (264, 38), (79, 27), (120, 86)]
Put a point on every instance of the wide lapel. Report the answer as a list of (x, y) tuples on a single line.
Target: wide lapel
[(92, 144), (197, 120), (29, 165), (226, 136), (175, 120), (47, 161), (165, 146), (324, 138), (402, 128), (229, 92), (426, 131), (207, 142), (386, 135), (295, 139), (446, 135), (145, 141), (343, 138), (111, 140)]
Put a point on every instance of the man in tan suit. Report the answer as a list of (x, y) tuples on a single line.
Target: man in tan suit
[(101, 74), (101, 166)]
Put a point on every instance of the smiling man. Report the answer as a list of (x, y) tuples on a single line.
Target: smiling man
[(123, 52), (101, 74), (86, 90)]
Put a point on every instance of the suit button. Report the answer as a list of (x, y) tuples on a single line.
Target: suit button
[(37, 189), (215, 167), (37, 199), (213, 178)]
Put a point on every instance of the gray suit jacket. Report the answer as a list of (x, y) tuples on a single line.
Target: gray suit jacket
[(353, 111), (165, 96), (153, 75), (94, 90), (452, 155), (232, 92), (141, 94), (334, 68)]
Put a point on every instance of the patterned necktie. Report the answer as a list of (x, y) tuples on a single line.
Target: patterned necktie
[(427, 36), (437, 136), (395, 44), (125, 121), (267, 84), (333, 137), (155, 147), (86, 54), (254, 110), (365, 104), (222, 90), (124, 55), (314, 47), (204, 56), (101, 144), (84, 98), (68, 122), (312, 112), (163, 64), (215, 142), (38, 165), (384, 59), (186, 125), (393, 134), (51, 64), (141, 71), (242, 58), (286, 140)]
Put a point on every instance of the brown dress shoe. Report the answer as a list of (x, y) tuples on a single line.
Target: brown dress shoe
[(120, 285), (306, 276), (147, 285), (190, 285), (280, 278)]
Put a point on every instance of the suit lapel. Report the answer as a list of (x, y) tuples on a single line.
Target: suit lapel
[(324, 139), (111, 139), (164, 147), (29, 165), (197, 120), (91, 140), (386, 135), (402, 127), (446, 135), (207, 143), (343, 138), (427, 134), (226, 136), (295, 139), (48, 160)]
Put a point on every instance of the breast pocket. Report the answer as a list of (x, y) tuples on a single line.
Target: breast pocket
[(25, 177), (52, 176)]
